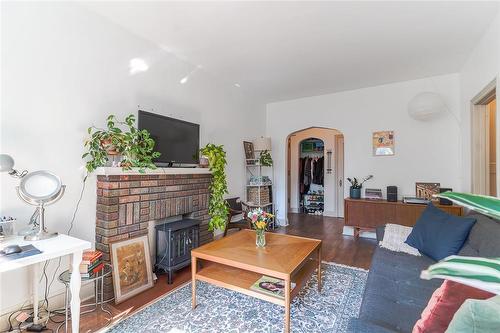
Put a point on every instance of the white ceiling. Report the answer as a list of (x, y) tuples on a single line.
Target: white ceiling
[(285, 50)]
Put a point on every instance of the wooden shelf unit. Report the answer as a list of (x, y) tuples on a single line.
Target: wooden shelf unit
[(365, 214)]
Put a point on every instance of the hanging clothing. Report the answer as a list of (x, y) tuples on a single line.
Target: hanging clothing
[(318, 171)]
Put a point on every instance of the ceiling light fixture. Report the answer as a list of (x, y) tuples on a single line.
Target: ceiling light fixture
[(237, 85)]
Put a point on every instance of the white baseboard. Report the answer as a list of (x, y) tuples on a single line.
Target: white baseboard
[(294, 210), (329, 213), (349, 231)]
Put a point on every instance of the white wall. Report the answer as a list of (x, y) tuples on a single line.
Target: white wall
[(425, 151), (482, 67), (328, 137), (64, 69)]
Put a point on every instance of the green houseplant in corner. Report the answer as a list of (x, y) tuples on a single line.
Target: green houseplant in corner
[(119, 138), (217, 205)]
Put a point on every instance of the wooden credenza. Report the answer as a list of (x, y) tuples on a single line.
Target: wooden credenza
[(363, 214)]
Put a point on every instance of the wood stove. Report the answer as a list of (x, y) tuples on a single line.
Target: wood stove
[(174, 241)]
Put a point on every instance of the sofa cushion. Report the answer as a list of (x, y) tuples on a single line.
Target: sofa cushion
[(483, 238), (445, 301), (438, 234), (395, 295)]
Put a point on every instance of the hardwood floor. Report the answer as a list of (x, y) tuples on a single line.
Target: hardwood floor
[(336, 248)]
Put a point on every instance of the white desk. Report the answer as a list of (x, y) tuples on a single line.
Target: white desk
[(51, 248)]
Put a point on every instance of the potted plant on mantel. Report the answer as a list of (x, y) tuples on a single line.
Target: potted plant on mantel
[(120, 138), (217, 206), (355, 189)]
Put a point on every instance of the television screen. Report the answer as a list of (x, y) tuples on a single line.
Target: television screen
[(178, 141)]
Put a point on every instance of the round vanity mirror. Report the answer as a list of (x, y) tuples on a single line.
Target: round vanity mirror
[(40, 187)]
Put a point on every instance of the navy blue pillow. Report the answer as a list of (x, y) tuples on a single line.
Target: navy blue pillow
[(438, 234)]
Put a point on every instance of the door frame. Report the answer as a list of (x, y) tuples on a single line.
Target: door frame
[(480, 147)]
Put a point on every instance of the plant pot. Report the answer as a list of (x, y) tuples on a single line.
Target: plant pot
[(355, 193), (203, 162), (109, 147), (218, 234)]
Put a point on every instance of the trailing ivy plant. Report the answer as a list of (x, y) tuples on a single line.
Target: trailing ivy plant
[(265, 158), (120, 138), (217, 207)]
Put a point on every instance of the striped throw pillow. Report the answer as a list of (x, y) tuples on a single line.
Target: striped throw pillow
[(480, 273)]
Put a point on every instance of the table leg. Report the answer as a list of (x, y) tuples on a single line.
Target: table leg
[(193, 282), (75, 284), (66, 317), (35, 273), (288, 288), (319, 268)]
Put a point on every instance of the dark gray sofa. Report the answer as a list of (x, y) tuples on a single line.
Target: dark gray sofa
[(395, 296)]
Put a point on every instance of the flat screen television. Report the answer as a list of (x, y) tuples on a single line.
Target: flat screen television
[(177, 140)]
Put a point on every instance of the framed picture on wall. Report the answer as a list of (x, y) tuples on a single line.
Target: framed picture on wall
[(383, 143), (427, 190), (132, 272), (249, 152)]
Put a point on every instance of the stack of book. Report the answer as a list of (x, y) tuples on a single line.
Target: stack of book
[(91, 264)]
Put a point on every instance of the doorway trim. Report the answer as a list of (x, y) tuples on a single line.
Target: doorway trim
[(480, 147), (288, 168)]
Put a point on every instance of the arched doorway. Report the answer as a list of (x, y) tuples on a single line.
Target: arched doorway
[(315, 165)]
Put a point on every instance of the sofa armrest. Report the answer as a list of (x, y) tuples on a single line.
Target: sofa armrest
[(357, 325)]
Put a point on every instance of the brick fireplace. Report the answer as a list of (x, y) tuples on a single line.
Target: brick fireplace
[(127, 203)]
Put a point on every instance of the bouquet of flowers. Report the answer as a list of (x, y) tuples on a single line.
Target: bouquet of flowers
[(260, 218)]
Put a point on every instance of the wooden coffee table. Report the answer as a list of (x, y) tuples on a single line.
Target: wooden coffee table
[(235, 263)]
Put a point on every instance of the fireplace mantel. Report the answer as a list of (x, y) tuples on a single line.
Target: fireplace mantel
[(113, 171)]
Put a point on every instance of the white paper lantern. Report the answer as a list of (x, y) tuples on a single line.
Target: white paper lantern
[(426, 106)]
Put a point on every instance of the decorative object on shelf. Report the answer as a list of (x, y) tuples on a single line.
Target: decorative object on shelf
[(203, 162), (259, 195), (415, 200), (426, 106), (217, 205), (260, 220), (132, 272), (443, 201), (135, 146), (392, 193), (426, 190), (260, 181), (262, 144), (383, 143), (249, 151), (265, 158), (355, 189), (373, 194)]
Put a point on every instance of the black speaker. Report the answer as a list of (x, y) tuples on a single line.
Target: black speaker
[(442, 201), (392, 193)]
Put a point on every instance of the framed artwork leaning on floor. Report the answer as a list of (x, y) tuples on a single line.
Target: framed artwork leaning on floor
[(132, 271)]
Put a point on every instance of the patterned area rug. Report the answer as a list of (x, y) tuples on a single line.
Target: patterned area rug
[(222, 310)]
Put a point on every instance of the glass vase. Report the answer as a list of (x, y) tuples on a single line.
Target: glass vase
[(260, 238)]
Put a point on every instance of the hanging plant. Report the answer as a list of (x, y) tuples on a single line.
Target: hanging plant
[(265, 158), (120, 138), (217, 205)]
